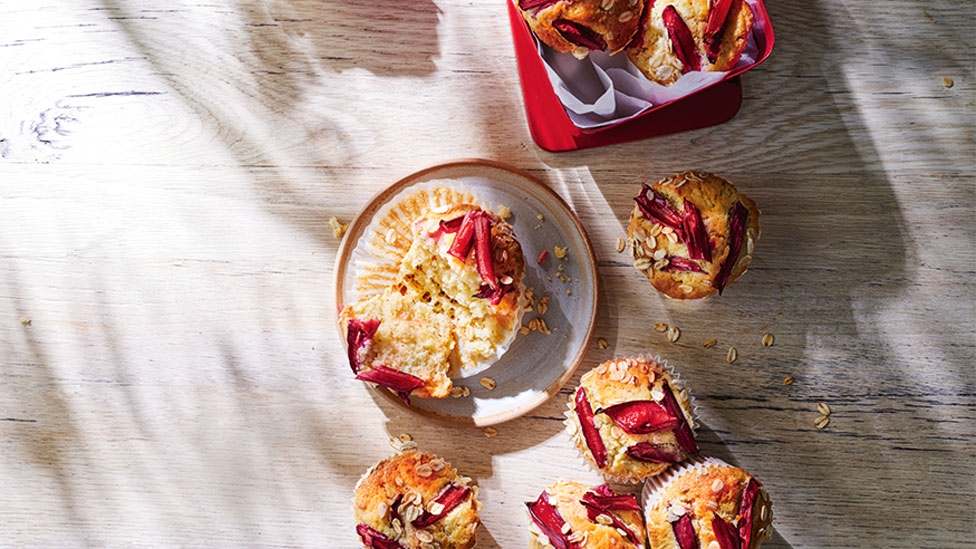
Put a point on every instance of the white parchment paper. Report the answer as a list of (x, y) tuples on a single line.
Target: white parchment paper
[(605, 89)]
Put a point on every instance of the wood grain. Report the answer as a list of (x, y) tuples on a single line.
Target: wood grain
[(167, 171)]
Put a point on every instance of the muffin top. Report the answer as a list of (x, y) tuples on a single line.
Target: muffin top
[(416, 500), (632, 419), (710, 505), (455, 302), (583, 25), (584, 517), (690, 35), (692, 234)]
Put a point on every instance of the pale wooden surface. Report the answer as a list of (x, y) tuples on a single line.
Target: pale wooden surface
[(167, 170)]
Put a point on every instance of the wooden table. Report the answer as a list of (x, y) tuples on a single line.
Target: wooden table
[(170, 370)]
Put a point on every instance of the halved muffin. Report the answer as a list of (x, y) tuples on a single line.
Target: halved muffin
[(569, 514), (455, 301), (579, 26), (415, 500)]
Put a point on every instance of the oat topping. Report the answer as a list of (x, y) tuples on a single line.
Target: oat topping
[(424, 470)]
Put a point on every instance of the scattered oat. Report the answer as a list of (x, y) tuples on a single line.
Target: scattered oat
[(503, 211), (540, 218), (732, 355), (338, 228), (25, 321), (488, 383), (948, 82), (560, 252), (673, 334), (601, 343), (710, 343), (560, 269), (660, 327), (823, 408), (569, 292), (621, 245), (767, 340), (789, 380), (541, 325), (457, 391), (821, 422), (405, 437), (543, 305), (525, 330), (491, 432)]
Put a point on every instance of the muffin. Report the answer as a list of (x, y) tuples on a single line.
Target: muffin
[(415, 500), (692, 234), (449, 297), (631, 418), (691, 35), (583, 25), (569, 514), (707, 505)]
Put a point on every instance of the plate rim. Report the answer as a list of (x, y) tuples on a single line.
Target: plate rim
[(365, 215)]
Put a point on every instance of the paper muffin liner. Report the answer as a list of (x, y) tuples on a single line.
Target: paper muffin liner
[(654, 488), (576, 434), (375, 260)]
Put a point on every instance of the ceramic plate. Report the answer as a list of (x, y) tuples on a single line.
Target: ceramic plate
[(537, 365)]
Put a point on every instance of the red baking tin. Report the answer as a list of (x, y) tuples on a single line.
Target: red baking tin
[(552, 129)]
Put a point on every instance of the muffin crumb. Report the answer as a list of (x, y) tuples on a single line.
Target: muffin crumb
[(338, 228)]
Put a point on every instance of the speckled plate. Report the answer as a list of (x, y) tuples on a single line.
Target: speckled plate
[(537, 365)]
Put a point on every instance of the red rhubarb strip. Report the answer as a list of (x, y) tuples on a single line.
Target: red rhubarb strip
[(359, 334), (529, 5), (450, 498), (639, 417), (645, 451), (452, 226), (463, 238), (579, 35), (738, 219), (495, 296), (638, 41), (548, 519), (543, 256), (725, 533), (612, 501), (399, 381), (375, 540), (745, 512), (394, 508), (684, 42), (684, 530), (718, 12), (676, 263), (684, 434), (594, 509), (590, 433), (483, 252), (696, 237), (656, 208)]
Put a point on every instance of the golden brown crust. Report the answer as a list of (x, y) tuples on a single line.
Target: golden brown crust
[(654, 53), (420, 478), (565, 496), (705, 491), (617, 21), (715, 198), (624, 380)]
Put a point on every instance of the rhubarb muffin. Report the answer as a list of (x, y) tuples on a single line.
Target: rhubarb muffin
[(691, 35), (632, 419), (709, 505), (451, 297), (415, 500), (692, 234), (569, 514), (583, 25)]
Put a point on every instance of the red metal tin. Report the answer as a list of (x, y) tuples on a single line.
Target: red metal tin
[(552, 129)]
